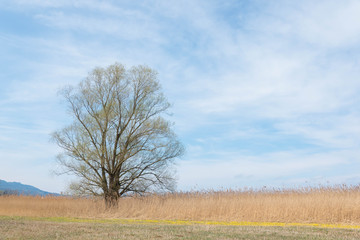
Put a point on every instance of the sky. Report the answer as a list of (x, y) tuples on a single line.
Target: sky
[(264, 92)]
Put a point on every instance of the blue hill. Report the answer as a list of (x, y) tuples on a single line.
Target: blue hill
[(19, 188)]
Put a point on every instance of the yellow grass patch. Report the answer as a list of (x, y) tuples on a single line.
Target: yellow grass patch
[(181, 222)]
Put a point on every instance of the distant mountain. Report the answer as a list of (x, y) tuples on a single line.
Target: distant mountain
[(19, 188)]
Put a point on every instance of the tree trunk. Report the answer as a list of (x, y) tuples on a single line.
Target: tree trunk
[(112, 193), (111, 200)]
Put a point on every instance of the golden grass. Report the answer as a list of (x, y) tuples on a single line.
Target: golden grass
[(326, 205)]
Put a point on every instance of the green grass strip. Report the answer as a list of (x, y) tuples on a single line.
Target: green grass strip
[(179, 222)]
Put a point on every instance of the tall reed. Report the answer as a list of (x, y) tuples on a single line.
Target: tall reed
[(339, 204)]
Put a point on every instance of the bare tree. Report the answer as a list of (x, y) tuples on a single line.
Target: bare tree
[(119, 141)]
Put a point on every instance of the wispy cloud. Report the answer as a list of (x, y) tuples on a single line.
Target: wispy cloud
[(261, 89), (289, 169)]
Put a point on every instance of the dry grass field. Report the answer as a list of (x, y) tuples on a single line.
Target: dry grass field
[(42, 229), (328, 205), (193, 215)]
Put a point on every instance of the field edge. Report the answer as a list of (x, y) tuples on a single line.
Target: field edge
[(178, 222)]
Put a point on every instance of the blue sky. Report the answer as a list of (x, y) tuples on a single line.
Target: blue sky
[(263, 92)]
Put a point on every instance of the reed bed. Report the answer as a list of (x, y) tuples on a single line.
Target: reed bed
[(332, 205)]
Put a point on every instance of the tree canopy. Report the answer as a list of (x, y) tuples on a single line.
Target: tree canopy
[(120, 140)]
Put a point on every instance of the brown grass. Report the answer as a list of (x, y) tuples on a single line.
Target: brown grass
[(45, 230), (336, 205)]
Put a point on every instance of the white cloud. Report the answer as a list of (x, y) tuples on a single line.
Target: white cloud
[(322, 24), (290, 65), (254, 171), (329, 23), (128, 26), (329, 131), (24, 5)]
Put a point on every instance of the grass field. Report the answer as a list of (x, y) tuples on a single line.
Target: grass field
[(335, 205), (41, 229), (312, 213)]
